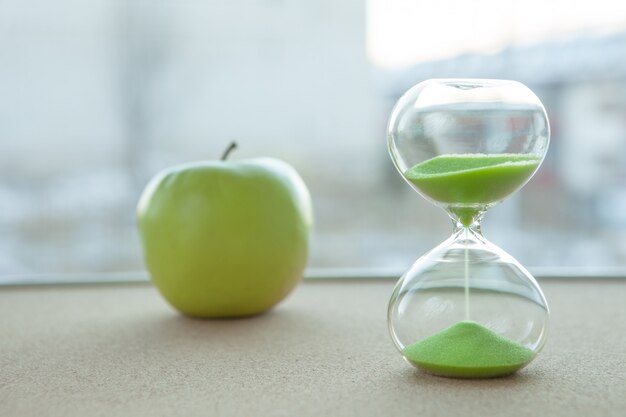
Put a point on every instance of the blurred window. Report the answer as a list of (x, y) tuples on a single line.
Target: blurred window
[(98, 96)]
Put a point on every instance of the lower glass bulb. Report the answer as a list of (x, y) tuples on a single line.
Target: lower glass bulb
[(468, 309)]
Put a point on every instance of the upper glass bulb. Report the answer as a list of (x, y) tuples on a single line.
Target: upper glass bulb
[(455, 126)]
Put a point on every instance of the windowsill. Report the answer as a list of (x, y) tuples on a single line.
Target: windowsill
[(540, 273), (120, 350)]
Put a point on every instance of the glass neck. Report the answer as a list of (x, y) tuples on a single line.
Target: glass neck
[(466, 219)]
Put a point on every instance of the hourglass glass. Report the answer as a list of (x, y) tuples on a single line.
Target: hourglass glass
[(467, 309)]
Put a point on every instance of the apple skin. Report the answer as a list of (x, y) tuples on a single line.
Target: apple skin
[(225, 239)]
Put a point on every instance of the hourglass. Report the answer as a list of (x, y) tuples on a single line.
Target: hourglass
[(467, 309)]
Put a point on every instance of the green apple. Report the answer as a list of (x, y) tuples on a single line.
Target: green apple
[(225, 239)]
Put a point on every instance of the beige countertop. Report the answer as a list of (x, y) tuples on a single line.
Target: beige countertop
[(119, 350)]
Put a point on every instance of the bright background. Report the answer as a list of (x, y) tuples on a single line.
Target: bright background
[(98, 96)]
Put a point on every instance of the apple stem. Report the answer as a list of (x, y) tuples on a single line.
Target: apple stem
[(231, 147)]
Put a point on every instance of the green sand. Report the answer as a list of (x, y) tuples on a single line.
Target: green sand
[(468, 350), (472, 179)]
